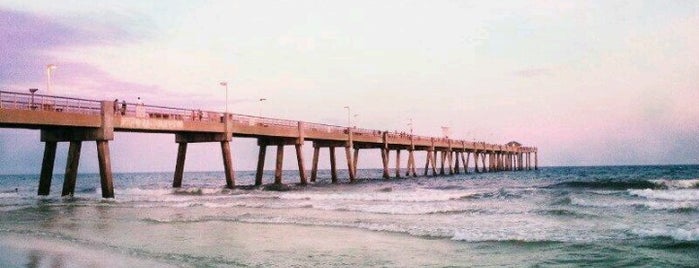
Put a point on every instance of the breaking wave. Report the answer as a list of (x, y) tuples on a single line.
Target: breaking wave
[(608, 184), (673, 195), (678, 234), (629, 184)]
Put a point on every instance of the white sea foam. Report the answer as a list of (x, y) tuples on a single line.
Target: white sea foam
[(678, 184), (675, 195), (9, 195), (419, 195), (679, 234)]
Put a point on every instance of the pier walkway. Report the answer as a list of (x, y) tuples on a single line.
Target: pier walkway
[(74, 120)]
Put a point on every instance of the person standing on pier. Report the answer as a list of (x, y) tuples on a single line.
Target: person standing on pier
[(123, 107), (116, 106)]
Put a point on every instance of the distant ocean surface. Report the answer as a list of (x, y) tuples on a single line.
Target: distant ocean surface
[(558, 216)]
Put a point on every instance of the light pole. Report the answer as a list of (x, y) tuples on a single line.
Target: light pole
[(49, 71), (349, 123), (225, 84), (355, 120), (33, 90), (410, 124), (260, 108)]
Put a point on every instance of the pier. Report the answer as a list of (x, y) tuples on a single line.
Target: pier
[(75, 120)]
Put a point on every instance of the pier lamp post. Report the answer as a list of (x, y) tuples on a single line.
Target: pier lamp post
[(49, 71), (410, 124), (349, 111), (33, 90), (259, 112), (355, 120), (225, 84)]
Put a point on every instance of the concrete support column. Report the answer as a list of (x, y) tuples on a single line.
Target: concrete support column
[(179, 165), (384, 157), (485, 168), (228, 164), (520, 160), (412, 169), (350, 163), (71, 168), (333, 167), (468, 156), (409, 165), (434, 163), (397, 163), (279, 164), (260, 164), (475, 162), (314, 166), (536, 160), (355, 159), (428, 157), (302, 168), (449, 162), (457, 168), (442, 156), (105, 165), (47, 167)]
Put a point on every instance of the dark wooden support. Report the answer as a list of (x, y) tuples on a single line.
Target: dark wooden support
[(314, 166), (105, 164), (350, 163), (71, 168), (449, 162), (47, 167), (179, 166), (333, 167), (278, 166), (397, 163), (302, 168), (260, 164), (485, 168), (536, 160), (475, 162), (228, 164)]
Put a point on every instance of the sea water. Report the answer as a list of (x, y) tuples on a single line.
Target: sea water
[(558, 216)]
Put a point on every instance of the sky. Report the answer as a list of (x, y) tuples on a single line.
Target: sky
[(587, 82)]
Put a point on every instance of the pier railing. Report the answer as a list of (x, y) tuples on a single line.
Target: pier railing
[(39, 102)]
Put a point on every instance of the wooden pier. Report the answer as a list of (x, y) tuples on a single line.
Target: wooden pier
[(75, 120)]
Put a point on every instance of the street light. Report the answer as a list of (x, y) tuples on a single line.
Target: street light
[(260, 108), (33, 90), (349, 123), (410, 124), (355, 120), (49, 71), (225, 84)]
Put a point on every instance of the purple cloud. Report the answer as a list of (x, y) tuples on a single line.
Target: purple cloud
[(28, 39)]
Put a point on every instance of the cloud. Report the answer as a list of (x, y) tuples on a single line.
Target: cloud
[(30, 42)]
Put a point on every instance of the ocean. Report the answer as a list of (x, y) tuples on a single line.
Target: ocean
[(554, 217)]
